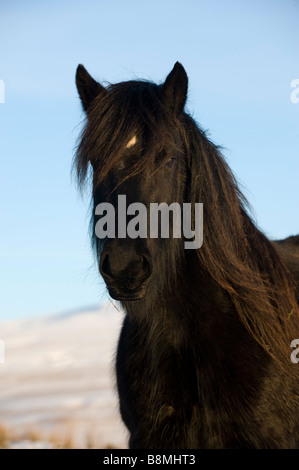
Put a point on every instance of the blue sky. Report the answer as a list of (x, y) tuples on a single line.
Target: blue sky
[(240, 58)]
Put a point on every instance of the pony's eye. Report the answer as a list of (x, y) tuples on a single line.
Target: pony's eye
[(170, 162)]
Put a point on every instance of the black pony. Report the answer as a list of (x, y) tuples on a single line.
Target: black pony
[(203, 358)]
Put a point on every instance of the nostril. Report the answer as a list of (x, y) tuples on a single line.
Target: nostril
[(144, 261), (145, 268), (105, 266)]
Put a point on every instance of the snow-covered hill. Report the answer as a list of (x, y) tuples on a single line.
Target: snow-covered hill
[(57, 382)]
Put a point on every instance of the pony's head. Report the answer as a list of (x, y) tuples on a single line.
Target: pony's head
[(134, 142)]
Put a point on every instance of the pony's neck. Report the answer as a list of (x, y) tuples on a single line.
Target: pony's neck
[(190, 307)]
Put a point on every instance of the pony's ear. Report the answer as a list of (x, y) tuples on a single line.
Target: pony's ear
[(175, 88), (87, 87)]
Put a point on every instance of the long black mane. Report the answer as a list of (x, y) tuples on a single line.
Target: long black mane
[(235, 253), (204, 354)]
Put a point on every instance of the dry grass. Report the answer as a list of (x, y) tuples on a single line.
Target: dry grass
[(6, 436), (54, 440)]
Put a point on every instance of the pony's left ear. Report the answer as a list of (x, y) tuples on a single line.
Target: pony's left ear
[(175, 88), (87, 87)]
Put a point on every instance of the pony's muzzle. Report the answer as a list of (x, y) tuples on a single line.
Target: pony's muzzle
[(126, 272)]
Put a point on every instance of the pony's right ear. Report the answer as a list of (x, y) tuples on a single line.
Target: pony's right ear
[(87, 87)]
